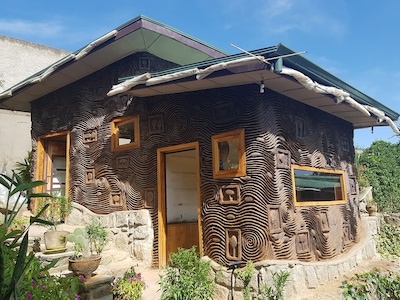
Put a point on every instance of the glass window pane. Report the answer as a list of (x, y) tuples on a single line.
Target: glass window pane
[(126, 134), (228, 154), (317, 186)]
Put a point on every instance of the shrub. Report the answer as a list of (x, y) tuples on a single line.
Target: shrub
[(187, 277), (389, 240), (372, 285), (381, 168), (275, 292), (246, 276), (131, 286)]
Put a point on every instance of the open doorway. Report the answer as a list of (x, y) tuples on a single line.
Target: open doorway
[(53, 163), (179, 199)]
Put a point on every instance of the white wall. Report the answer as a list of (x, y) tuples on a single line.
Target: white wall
[(19, 60)]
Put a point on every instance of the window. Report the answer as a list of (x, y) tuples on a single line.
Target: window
[(312, 186), (125, 133), (229, 158)]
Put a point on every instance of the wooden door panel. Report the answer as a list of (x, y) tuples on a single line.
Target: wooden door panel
[(182, 235)]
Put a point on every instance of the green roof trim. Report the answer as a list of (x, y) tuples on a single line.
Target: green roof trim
[(297, 62), (142, 17)]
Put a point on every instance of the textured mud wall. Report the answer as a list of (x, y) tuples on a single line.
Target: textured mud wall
[(263, 222)]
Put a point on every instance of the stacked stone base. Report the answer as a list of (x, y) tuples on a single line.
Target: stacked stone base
[(303, 275), (130, 231)]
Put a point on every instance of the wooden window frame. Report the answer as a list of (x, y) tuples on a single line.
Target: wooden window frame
[(115, 124), (241, 171), (314, 203)]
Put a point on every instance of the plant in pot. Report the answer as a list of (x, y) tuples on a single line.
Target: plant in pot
[(60, 207), (89, 243)]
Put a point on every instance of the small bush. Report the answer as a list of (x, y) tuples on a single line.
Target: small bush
[(275, 292), (246, 276), (372, 285), (131, 286), (187, 277), (389, 240)]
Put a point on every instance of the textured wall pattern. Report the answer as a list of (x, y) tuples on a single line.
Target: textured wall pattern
[(260, 221)]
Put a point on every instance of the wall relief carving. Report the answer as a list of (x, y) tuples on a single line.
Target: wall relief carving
[(233, 244)]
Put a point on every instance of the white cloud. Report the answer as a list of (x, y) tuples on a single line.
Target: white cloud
[(281, 16), (42, 29)]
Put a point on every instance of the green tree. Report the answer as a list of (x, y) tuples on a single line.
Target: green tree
[(381, 166)]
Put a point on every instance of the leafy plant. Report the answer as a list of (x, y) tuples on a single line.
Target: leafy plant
[(131, 286), (389, 240), (246, 276), (187, 277), (24, 168), (39, 284), (92, 238), (382, 170), (372, 285), (11, 276), (97, 236), (275, 292), (59, 209)]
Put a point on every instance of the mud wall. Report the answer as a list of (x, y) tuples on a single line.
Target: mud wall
[(279, 132)]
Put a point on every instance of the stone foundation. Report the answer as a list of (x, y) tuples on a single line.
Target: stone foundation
[(130, 231), (303, 275)]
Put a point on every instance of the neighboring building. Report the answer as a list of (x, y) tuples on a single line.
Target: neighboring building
[(245, 156), (19, 60)]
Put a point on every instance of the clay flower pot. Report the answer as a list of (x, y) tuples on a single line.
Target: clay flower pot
[(372, 209), (56, 240), (84, 266)]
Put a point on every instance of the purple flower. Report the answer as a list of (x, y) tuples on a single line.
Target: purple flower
[(132, 280), (42, 286), (28, 295), (82, 278), (77, 297), (33, 284), (39, 275)]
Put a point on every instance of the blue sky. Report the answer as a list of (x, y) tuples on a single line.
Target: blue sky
[(358, 41)]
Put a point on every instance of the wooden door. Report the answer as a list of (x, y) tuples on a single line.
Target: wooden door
[(55, 167), (179, 199)]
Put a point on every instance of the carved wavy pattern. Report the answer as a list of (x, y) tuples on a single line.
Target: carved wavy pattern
[(265, 224)]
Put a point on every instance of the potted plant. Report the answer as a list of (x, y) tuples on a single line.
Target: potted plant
[(131, 286), (88, 243), (60, 207)]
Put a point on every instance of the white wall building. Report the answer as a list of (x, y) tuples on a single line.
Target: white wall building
[(19, 60)]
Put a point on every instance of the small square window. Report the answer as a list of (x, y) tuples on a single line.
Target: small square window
[(312, 186), (125, 133), (229, 158)]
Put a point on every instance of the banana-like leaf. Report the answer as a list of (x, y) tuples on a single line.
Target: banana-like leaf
[(26, 186), (4, 182), (1, 268)]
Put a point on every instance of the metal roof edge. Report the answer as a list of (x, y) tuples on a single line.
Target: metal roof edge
[(322, 76), (6, 94), (206, 63), (142, 17)]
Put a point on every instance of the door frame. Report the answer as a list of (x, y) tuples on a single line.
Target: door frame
[(41, 158), (162, 218)]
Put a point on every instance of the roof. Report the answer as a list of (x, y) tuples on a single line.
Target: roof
[(202, 66), (360, 109), (137, 35)]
